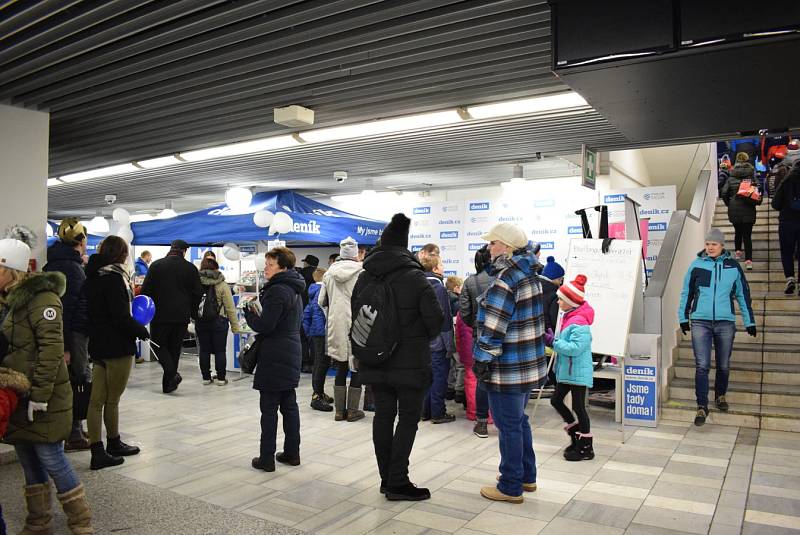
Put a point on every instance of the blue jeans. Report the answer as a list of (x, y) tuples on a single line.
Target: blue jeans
[(434, 400), (40, 462), (721, 333), (517, 459)]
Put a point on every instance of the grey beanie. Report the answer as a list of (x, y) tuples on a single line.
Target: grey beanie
[(715, 235), (348, 248)]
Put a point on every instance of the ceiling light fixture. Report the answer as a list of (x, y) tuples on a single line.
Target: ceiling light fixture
[(382, 126), (54, 182), (99, 224), (97, 173), (155, 163), (238, 199), (236, 149), (527, 105)]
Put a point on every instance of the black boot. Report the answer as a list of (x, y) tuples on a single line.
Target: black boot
[(267, 465), (285, 458), (117, 447), (583, 450), (101, 459), (408, 492), (572, 431)]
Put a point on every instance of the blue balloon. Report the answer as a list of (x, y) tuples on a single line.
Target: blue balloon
[(143, 309)]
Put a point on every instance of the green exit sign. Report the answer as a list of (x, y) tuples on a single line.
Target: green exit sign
[(589, 167)]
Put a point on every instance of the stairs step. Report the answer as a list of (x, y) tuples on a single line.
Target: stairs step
[(772, 354), (742, 415), (748, 372)]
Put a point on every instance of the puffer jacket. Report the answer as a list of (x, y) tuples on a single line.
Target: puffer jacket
[(511, 325), (418, 314), (278, 364), (34, 329), (65, 259), (313, 316), (710, 287), (215, 278), (740, 209), (334, 299), (573, 346), (13, 385)]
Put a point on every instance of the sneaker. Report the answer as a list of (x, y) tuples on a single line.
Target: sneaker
[(480, 430), (748, 265), (220, 382), (207, 382), (444, 418), (791, 284), (319, 404), (700, 418), (722, 404), (739, 255), (408, 492)]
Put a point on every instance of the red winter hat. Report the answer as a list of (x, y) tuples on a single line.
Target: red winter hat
[(573, 292)]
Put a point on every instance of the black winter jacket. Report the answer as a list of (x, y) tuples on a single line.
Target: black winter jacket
[(788, 190), (278, 365), (65, 259), (550, 302), (112, 329), (740, 209), (418, 312), (174, 285)]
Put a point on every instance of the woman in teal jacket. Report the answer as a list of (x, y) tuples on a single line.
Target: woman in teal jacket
[(573, 367), (712, 284)]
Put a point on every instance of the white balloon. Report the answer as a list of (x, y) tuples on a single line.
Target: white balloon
[(238, 198), (282, 223), (261, 262), (126, 234), (263, 218), (231, 252), (121, 215)]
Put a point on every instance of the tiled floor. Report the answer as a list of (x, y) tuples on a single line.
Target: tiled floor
[(197, 445)]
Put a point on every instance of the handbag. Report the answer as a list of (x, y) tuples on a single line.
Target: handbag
[(248, 358)]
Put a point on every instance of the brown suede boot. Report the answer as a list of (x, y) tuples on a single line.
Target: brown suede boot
[(340, 403), (79, 516), (40, 515)]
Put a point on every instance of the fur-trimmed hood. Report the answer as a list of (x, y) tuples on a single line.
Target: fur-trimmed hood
[(14, 380), (36, 283)]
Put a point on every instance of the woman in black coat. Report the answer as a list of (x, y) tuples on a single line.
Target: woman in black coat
[(112, 346), (278, 366), (400, 384), (741, 210)]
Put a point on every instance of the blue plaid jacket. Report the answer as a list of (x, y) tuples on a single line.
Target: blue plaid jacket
[(510, 326)]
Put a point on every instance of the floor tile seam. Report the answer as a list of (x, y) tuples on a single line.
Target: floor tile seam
[(722, 489)]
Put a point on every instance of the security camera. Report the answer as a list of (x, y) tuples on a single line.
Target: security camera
[(111, 199), (340, 176)]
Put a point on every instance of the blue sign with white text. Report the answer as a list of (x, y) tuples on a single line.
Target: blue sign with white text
[(639, 399)]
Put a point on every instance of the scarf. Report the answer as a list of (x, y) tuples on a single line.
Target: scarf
[(122, 271)]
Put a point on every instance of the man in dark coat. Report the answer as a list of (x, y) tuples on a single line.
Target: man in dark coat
[(174, 284), (787, 201), (278, 366), (66, 256), (400, 384)]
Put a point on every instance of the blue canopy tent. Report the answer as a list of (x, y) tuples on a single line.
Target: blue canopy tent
[(314, 223)]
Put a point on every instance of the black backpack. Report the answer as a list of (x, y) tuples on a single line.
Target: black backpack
[(373, 333), (208, 311)]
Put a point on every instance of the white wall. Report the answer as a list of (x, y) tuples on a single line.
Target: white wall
[(24, 145)]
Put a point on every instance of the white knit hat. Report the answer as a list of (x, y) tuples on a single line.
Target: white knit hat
[(14, 254), (348, 248)]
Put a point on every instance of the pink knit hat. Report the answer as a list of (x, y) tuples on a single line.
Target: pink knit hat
[(573, 292)]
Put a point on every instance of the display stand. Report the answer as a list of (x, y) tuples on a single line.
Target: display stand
[(238, 341)]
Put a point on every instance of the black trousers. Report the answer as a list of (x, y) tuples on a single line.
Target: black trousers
[(286, 401), (321, 364), (212, 339), (342, 367), (393, 444), (169, 337), (744, 233), (578, 405), (789, 236)]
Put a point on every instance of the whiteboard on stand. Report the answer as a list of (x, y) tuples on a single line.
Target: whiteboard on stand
[(613, 279)]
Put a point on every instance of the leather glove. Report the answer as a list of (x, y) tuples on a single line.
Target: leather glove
[(685, 328), (35, 406), (481, 370), (752, 331), (549, 337)]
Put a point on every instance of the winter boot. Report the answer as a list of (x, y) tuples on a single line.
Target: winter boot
[(572, 431), (117, 448), (583, 449), (340, 403), (353, 401), (40, 516), (79, 516), (101, 459), (77, 441)]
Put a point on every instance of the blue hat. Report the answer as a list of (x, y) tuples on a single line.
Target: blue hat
[(553, 270)]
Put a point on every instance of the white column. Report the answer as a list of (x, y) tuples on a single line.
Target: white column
[(24, 146)]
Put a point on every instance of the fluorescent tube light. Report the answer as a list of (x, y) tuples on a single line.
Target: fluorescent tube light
[(382, 126), (155, 163), (235, 149), (527, 105), (97, 173), (54, 182)]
